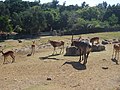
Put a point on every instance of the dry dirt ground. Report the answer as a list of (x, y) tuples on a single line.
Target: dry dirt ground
[(62, 72)]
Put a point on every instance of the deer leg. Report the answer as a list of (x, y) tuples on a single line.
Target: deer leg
[(80, 55), (4, 60), (13, 57), (117, 58), (54, 50), (60, 50), (113, 54), (63, 49), (85, 59), (33, 51), (88, 54)]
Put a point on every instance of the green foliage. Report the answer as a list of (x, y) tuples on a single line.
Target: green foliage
[(113, 20), (5, 24), (34, 17)]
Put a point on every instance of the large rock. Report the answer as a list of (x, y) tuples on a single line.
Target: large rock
[(72, 51), (98, 47)]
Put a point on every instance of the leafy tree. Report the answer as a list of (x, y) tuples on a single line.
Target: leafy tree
[(5, 24), (113, 20)]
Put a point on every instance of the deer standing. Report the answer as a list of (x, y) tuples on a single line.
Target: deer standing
[(57, 44), (33, 48), (116, 50), (84, 49), (8, 53), (92, 40)]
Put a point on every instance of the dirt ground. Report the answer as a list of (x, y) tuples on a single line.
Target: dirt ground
[(46, 72)]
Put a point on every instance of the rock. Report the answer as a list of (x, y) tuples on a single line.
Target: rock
[(49, 78), (105, 42), (28, 54), (98, 47), (20, 41), (104, 67), (72, 51)]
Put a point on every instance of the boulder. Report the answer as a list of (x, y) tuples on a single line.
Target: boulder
[(72, 51), (105, 42), (98, 47)]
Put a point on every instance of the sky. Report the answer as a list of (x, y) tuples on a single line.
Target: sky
[(74, 2)]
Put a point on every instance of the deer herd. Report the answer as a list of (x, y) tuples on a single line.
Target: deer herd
[(84, 46)]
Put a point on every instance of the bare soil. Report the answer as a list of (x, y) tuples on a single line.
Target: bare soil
[(44, 71)]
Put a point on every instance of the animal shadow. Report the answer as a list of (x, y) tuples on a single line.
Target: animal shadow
[(76, 65), (115, 60), (50, 57)]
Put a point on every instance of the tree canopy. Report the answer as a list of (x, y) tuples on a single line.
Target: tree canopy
[(33, 17)]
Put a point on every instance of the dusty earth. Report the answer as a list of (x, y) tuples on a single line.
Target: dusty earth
[(44, 71)]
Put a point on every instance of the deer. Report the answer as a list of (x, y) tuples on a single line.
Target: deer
[(92, 40), (84, 48), (33, 48), (57, 44), (116, 50), (78, 39), (6, 54)]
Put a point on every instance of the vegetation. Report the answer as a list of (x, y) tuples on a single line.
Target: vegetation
[(26, 17)]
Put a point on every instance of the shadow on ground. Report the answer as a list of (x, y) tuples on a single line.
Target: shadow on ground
[(50, 57), (76, 65), (115, 60)]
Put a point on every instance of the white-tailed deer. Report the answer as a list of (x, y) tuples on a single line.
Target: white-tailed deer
[(84, 49), (57, 44), (8, 53), (33, 48), (116, 50), (92, 40)]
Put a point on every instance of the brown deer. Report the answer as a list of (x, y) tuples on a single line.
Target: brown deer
[(57, 44), (8, 53), (92, 40), (78, 39), (116, 50), (84, 49), (33, 48)]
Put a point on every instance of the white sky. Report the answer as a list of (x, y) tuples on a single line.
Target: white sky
[(74, 2)]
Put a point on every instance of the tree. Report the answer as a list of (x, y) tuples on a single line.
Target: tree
[(5, 24), (113, 20)]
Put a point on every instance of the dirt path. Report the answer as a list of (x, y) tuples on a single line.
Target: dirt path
[(66, 73)]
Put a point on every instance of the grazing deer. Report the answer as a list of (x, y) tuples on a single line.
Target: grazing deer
[(116, 50), (6, 54), (57, 44), (84, 49), (92, 40), (33, 48)]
